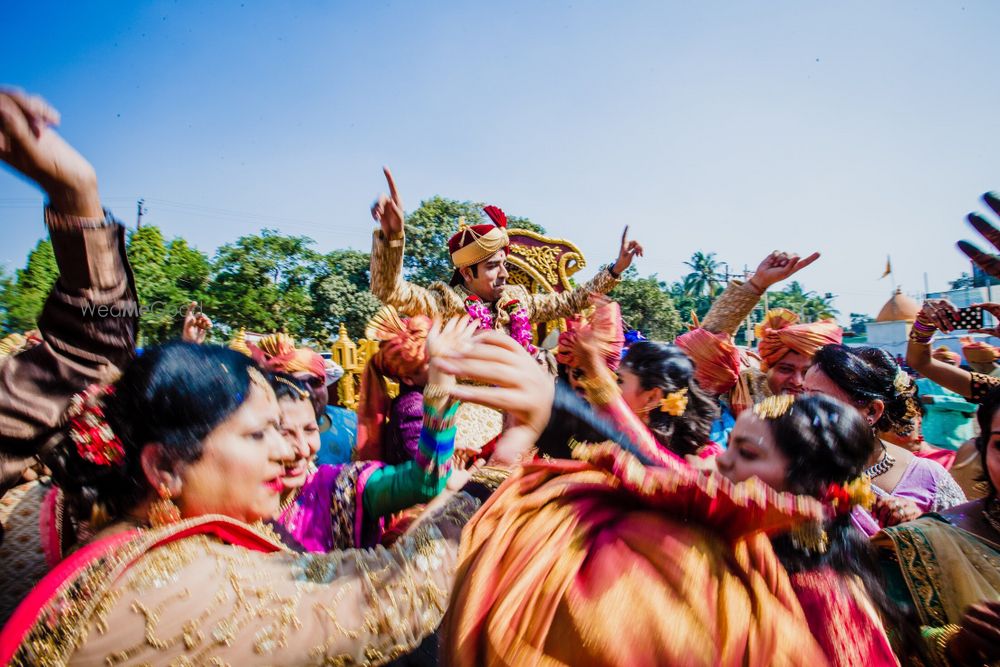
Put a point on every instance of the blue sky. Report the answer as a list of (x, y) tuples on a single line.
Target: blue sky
[(859, 129)]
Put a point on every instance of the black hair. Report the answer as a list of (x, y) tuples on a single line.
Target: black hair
[(987, 410), (288, 386), (174, 395), (866, 374), (667, 367), (826, 441)]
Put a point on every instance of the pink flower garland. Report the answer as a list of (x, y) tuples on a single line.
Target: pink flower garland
[(520, 324), (478, 311)]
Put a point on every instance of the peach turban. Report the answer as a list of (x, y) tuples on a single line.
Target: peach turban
[(603, 328), (979, 352), (717, 364), (942, 353), (781, 333), (277, 353)]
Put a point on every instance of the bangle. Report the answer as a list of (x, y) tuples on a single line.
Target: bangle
[(939, 640), (600, 391), (611, 270), (760, 290)]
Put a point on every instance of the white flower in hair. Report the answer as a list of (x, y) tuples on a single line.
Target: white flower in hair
[(902, 381)]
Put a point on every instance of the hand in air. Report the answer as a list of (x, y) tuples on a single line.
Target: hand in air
[(517, 385), (30, 146), (628, 251), (453, 338), (988, 262), (196, 325), (388, 209), (939, 312), (779, 266)]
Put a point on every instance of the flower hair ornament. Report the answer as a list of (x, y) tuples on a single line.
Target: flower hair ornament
[(675, 403), (902, 381), (89, 428)]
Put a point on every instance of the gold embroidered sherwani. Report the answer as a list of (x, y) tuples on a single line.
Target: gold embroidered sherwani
[(476, 425), (444, 301)]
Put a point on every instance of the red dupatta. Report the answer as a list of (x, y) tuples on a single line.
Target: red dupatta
[(54, 613)]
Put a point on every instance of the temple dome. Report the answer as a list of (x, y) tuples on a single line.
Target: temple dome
[(900, 308)]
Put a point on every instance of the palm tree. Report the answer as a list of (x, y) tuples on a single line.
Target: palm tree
[(703, 279), (820, 308)]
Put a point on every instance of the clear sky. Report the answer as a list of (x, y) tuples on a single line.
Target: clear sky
[(859, 129)]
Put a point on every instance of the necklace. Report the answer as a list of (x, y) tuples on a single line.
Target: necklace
[(287, 502), (991, 512), (882, 467)]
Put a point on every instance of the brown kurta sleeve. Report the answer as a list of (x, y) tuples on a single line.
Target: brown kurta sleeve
[(88, 328), (730, 310), (547, 307)]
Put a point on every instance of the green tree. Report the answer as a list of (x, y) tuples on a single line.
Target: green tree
[(168, 277), (808, 305), (24, 297), (340, 295), (703, 279), (859, 324), (261, 282), (428, 229), (647, 306)]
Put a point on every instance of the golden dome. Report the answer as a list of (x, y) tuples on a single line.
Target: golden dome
[(900, 308)]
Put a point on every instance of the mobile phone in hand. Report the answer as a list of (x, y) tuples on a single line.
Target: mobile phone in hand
[(969, 318)]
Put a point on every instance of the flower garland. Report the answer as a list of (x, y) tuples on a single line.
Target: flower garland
[(89, 429), (520, 323), (478, 311)]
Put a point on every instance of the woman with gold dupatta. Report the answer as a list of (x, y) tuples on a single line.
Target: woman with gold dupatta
[(175, 465), (946, 567)]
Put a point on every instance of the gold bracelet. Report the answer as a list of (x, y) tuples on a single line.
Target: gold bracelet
[(941, 637), (601, 391)]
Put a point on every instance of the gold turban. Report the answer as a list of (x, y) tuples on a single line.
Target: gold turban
[(978, 352)]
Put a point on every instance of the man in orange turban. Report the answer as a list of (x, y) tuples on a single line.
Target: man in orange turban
[(787, 347)]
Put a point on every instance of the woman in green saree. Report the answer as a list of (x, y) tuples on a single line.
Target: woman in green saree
[(946, 567)]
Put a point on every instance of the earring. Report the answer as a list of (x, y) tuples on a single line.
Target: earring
[(163, 512)]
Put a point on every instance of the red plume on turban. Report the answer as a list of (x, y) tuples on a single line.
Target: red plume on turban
[(498, 217)]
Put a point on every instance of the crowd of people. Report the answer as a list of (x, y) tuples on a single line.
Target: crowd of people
[(609, 501)]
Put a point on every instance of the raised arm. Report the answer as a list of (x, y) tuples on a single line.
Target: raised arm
[(88, 324), (388, 242), (546, 307), (934, 315), (730, 310)]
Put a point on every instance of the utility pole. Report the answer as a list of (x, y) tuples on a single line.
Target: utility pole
[(140, 210)]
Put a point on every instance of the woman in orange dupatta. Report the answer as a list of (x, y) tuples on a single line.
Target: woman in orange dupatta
[(176, 465), (617, 559)]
